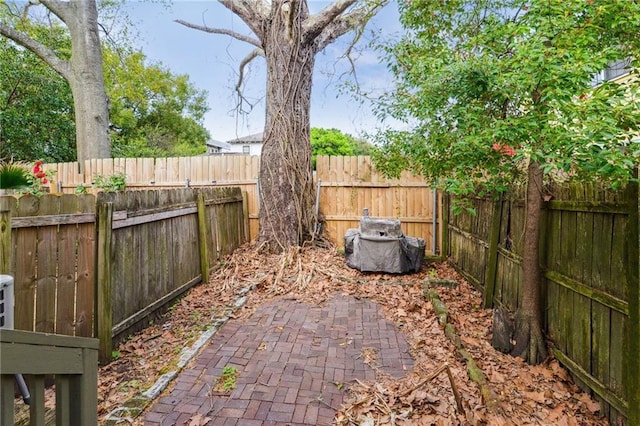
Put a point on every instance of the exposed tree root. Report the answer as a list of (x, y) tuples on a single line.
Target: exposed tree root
[(530, 343), (475, 373)]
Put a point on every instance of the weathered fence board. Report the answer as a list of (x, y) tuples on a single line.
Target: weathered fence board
[(586, 292), (52, 276), (347, 186), (141, 252)]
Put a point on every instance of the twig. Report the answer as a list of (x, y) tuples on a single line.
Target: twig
[(429, 378), (321, 400), (443, 367), (456, 394)]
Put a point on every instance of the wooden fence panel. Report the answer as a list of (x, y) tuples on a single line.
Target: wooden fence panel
[(150, 252), (53, 284), (348, 185), (156, 246), (585, 288)]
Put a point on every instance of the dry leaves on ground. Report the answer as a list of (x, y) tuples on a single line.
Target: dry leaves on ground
[(536, 395)]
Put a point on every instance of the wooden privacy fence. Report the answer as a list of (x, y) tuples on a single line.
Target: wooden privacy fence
[(350, 184), (347, 185), (127, 254), (240, 171), (589, 255)]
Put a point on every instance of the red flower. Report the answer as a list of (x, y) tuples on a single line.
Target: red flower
[(45, 181), (504, 149), (507, 150)]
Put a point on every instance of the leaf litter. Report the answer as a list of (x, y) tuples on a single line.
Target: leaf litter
[(437, 391)]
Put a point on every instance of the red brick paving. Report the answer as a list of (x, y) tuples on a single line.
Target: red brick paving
[(293, 359)]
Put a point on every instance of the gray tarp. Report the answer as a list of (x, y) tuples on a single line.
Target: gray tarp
[(370, 253)]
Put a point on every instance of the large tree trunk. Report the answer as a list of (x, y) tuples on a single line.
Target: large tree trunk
[(530, 344), (289, 38), (286, 175), (83, 72), (87, 83)]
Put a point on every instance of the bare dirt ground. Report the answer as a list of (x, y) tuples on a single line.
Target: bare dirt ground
[(438, 391)]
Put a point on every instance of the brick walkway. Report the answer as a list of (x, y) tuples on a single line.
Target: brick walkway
[(295, 362)]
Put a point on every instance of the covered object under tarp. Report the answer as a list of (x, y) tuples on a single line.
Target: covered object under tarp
[(378, 245)]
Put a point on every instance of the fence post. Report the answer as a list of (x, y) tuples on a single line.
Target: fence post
[(104, 321), (245, 213), (5, 237), (492, 255), (446, 200), (632, 349), (202, 238)]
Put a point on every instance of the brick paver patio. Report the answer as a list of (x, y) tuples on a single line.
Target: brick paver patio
[(295, 363)]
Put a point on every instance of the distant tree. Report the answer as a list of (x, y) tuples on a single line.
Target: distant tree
[(500, 89), (81, 67), (329, 142), (289, 37), (154, 113), (361, 147), (36, 108), (335, 142)]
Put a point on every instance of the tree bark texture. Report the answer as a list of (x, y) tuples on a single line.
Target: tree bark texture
[(87, 83), (289, 38), (286, 177), (529, 340)]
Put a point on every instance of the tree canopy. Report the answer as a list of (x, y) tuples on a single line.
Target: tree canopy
[(152, 112), (492, 84), (36, 108), (335, 142), (500, 90)]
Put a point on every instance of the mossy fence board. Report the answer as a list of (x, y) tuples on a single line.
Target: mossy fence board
[(587, 255), (126, 254)]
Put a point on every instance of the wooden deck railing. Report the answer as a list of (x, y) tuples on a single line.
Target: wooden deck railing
[(73, 361)]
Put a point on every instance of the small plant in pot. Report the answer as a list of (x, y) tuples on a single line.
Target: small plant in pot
[(18, 177), (14, 177)]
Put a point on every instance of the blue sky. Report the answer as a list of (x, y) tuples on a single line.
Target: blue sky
[(211, 61)]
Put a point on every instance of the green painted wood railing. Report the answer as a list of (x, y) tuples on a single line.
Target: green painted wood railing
[(73, 361)]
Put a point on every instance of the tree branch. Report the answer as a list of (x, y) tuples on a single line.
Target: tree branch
[(223, 31), (314, 25), (247, 59), (353, 20), (61, 67), (59, 8), (254, 13), (241, 98)]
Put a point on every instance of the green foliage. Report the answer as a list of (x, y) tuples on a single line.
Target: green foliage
[(13, 175), (489, 85), (228, 380), (24, 178), (152, 111), (80, 189), (112, 183), (36, 107), (334, 142)]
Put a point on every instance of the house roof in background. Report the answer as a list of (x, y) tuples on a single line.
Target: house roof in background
[(218, 144), (254, 138)]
